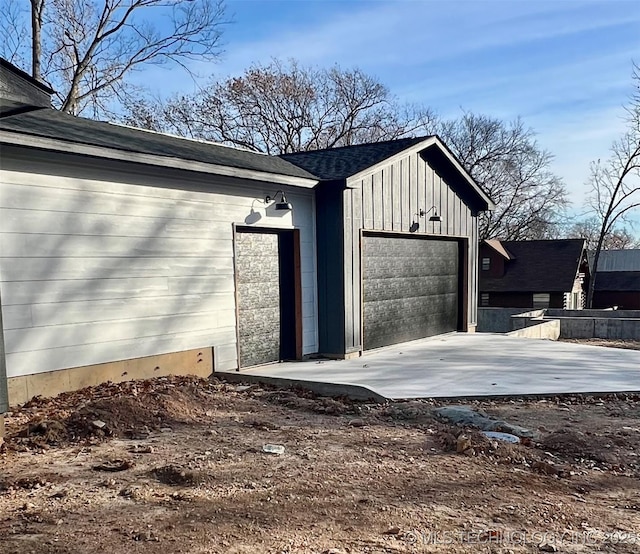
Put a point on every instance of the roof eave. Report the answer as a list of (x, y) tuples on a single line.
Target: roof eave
[(42, 143)]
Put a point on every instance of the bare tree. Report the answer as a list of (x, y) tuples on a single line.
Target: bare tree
[(589, 229), (86, 48), (286, 107), (506, 161), (615, 183)]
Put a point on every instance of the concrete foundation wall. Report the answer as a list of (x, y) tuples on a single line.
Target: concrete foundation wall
[(615, 314), (601, 324), (539, 330), (573, 324), (496, 320), (600, 328), (192, 362)]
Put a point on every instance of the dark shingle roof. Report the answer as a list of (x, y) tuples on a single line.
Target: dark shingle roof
[(621, 281), (342, 162), (539, 266), (57, 125)]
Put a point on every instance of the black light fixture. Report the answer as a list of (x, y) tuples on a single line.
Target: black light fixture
[(434, 217), (283, 205)]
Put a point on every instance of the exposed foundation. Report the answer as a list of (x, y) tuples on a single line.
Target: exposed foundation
[(190, 362)]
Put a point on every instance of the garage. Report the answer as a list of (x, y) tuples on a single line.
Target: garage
[(397, 243), (411, 288), (267, 290)]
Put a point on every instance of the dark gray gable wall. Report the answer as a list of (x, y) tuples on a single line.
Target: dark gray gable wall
[(389, 200)]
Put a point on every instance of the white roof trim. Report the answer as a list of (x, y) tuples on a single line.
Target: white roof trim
[(426, 143), (16, 139)]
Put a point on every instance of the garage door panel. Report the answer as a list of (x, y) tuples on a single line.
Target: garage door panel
[(410, 289), (387, 267), (395, 310)]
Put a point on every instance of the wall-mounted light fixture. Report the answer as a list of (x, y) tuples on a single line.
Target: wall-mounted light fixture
[(281, 206), (434, 216)]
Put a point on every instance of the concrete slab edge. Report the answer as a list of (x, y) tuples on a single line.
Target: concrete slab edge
[(532, 396), (354, 392)]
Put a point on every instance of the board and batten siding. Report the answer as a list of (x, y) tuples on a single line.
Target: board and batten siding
[(390, 199), (113, 261)]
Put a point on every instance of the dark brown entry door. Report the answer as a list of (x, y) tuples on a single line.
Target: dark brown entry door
[(265, 281), (411, 288)]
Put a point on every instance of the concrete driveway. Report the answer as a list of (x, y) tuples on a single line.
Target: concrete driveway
[(474, 365)]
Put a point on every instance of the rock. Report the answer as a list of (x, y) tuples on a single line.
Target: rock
[(504, 437), (357, 422), (546, 467), (467, 416), (463, 444), (147, 536), (392, 531), (114, 465), (140, 449), (546, 547), (277, 449), (98, 424)]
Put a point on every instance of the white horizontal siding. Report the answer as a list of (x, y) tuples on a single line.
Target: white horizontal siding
[(91, 267), (96, 270), (56, 313)]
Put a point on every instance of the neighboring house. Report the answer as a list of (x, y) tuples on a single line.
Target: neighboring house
[(533, 274), (618, 280), (126, 253)]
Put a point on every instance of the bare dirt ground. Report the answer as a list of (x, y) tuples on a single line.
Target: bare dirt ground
[(612, 343), (179, 466)]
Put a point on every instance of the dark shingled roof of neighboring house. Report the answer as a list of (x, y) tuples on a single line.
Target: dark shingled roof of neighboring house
[(53, 124), (339, 163), (618, 281), (537, 266)]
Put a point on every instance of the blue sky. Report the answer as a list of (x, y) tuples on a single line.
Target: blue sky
[(564, 66)]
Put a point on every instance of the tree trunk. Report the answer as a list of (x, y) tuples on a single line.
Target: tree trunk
[(596, 258), (36, 38)]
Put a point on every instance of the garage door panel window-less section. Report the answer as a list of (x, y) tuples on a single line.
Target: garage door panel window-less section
[(411, 288), (268, 314)]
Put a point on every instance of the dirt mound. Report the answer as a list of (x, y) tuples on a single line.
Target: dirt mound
[(130, 409), (614, 450)]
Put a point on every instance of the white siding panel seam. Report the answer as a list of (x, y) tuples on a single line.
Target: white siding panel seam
[(10, 349)]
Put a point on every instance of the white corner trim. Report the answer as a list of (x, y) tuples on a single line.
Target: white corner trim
[(15, 139)]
